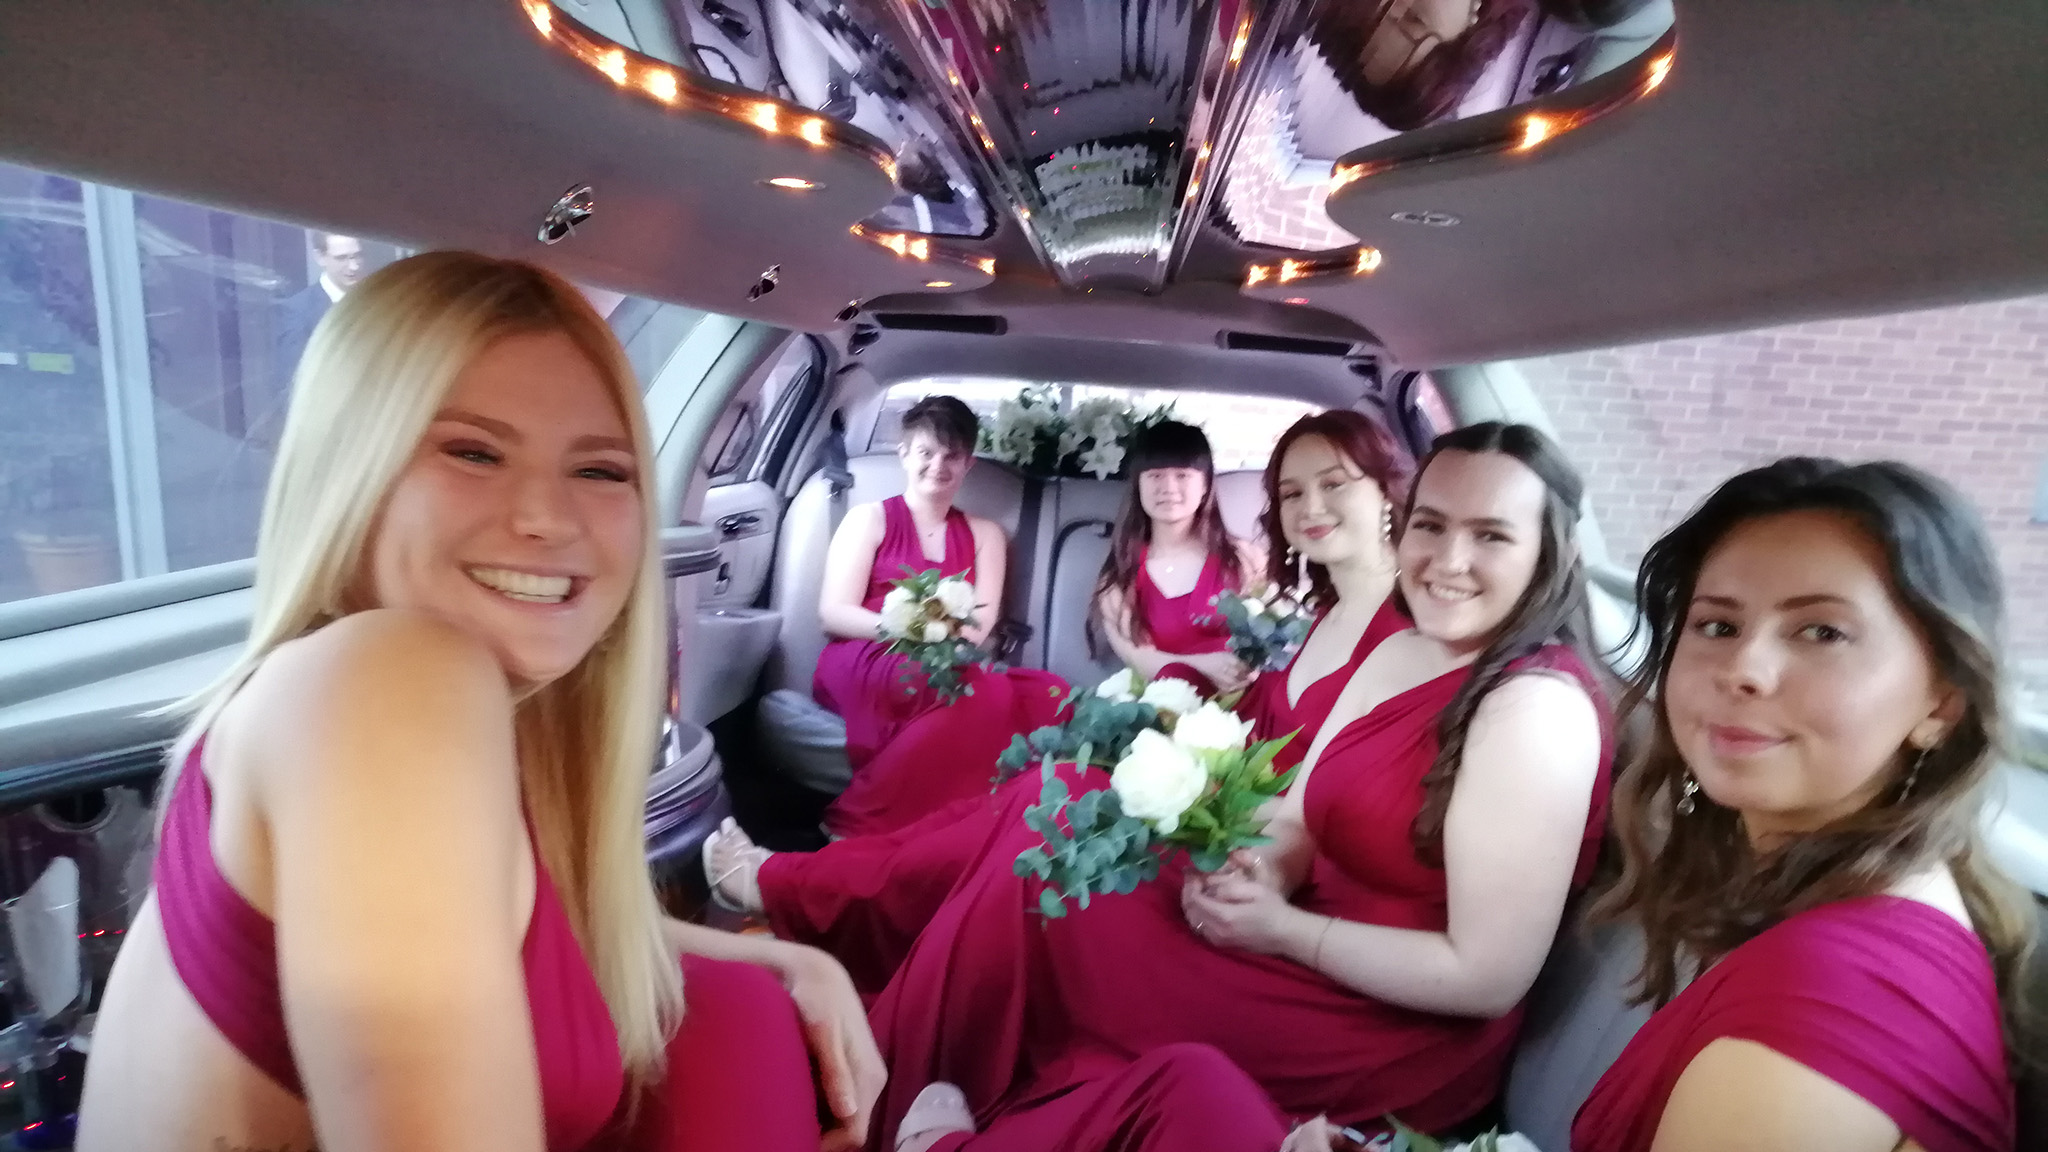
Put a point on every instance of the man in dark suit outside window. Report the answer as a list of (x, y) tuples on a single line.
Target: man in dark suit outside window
[(341, 265)]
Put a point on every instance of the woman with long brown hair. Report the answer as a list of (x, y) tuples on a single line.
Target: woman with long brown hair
[(1826, 939), (1169, 558)]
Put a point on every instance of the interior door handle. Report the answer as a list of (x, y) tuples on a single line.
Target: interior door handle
[(737, 524)]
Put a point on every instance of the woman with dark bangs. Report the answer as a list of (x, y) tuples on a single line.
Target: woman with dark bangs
[(1801, 841), (1169, 559)]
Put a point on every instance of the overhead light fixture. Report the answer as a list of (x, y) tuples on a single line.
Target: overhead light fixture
[(987, 264), (938, 283), (1427, 219), (660, 84), (1535, 130), (1295, 300), (1369, 260), (1659, 69), (793, 183)]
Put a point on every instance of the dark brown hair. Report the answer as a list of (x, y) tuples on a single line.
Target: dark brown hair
[(1371, 449), (1167, 444), (1552, 610), (947, 419), (1694, 882), (1438, 83)]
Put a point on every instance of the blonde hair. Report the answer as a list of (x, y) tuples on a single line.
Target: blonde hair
[(376, 370)]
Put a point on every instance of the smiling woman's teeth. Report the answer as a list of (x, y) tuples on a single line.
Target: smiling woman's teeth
[(523, 585), (1442, 593)]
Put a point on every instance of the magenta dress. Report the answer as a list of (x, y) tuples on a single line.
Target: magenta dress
[(738, 1077), (865, 899), (1013, 1008), (912, 754), (1888, 997), (1185, 625)]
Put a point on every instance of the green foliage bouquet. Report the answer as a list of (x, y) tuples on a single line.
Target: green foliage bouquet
[(924, 617)]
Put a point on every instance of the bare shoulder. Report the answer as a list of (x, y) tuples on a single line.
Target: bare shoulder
[(377, 691), (986, 531), (1539, 718), (1786, 1106)]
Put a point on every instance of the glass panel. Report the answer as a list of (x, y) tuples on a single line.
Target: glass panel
[(980, 393), (1957, 391), (58, 527), (1241, 429), (230, 302)]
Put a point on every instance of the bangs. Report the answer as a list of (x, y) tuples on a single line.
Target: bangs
[(1170, 444)]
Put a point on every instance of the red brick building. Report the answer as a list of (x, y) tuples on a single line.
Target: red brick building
[(1962, 392)]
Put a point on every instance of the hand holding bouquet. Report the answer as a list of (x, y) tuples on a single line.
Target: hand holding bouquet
[(1190, 784), (1101, 724), (924, 617), (1266, 628)]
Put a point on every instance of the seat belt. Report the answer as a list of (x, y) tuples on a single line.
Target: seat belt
[(838, 477), (1011, 634)]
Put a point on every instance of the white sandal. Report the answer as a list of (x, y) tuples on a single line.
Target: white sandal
[(938, 1110), (747, 898)]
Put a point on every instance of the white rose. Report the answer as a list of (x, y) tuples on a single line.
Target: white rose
[(934, 632), (899, 612), (1285, 608), (956, 596), (1211, 727), (1256, 606), (1511, 1142), (1121, 687), (1157, 780), (1172, 694)]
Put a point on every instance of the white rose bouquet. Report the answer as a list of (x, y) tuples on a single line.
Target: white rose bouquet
[(1266, 626), (1189, 783), (1030, 432), (1406, 1139), (924, 617)]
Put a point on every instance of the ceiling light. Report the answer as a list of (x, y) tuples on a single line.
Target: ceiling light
[(1659, 69), (542, 16), (661, 84), (1535, 130), (938, 283), (987, 264), (766, 117), (1295, 300), (1427, 219), (793, 183), (813, 132), (613, 64), (1369, 260)]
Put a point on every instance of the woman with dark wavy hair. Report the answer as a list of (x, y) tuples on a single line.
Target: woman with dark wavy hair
[(1827, 941), (1169, 557)]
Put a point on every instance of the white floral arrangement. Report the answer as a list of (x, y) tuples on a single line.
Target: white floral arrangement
[(1030, 432), (1189, 780), (925, 617)]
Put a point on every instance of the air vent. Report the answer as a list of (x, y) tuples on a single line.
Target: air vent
[(1299, 346), (965, 325)]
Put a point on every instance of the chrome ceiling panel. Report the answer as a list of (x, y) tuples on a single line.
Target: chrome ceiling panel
[(1353, 73), (824, 56), (1100, 117)]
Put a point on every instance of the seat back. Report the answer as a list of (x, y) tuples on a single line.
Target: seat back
[(1083, 521), (1241, 496), (1577, 1022), (990, 490)]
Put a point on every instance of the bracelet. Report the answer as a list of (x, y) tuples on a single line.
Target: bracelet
[(1316, 961)]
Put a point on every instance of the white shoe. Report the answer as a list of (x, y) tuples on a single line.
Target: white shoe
[(737, 886), (939, 1110)]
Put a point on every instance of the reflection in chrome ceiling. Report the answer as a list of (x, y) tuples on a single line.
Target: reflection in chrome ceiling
[(1114, 128), (816, 54)]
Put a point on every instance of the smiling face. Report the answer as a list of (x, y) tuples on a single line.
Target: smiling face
[(1799, 685), (1172, 495), (1471, 546), (518, 518), (1330, 510), (930, 468)]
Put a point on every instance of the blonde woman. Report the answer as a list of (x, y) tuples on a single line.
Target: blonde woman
[(400, 901)]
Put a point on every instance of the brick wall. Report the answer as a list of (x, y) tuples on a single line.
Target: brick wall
[(1962, 392)]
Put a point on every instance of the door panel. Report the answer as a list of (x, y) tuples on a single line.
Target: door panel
[(746, 517)]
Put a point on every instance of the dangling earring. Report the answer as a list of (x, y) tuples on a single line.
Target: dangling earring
[(1913, 775), (1386, 521), (1685, 796)]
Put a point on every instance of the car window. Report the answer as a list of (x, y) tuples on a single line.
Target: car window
[(146, 352), (741, 434), (1241, 429), (1962, 392)]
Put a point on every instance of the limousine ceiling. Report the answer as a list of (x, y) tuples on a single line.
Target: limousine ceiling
[(1436, 183)]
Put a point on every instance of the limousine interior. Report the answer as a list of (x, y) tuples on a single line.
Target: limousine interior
[(1683, 236)]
